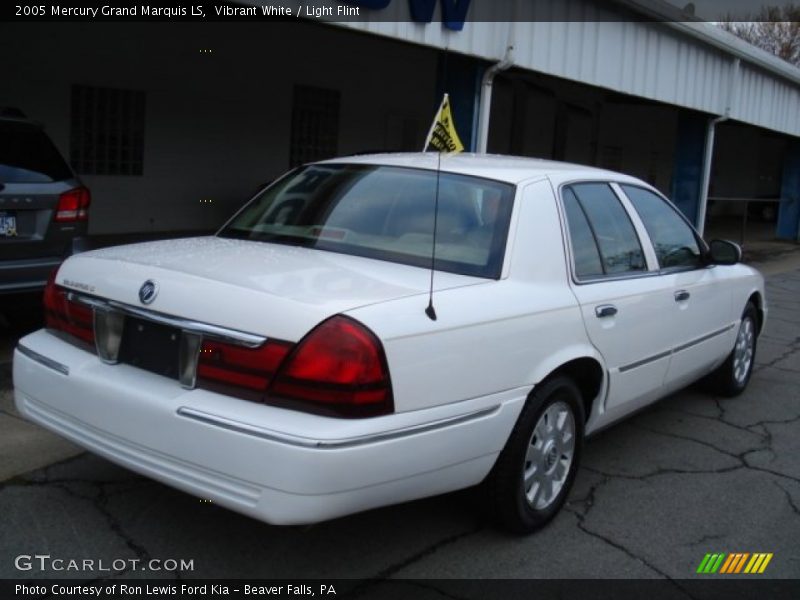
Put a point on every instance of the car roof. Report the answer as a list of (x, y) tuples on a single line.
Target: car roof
[(21, 121), (511, 169)]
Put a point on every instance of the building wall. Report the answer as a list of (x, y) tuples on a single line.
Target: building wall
[(217, 124), (545, 117), (588, 42), (748, 162)]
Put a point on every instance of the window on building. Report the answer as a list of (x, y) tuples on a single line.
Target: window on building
[(315, 124), (107, 131)]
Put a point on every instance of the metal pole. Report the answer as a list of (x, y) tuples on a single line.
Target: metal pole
[(486, 99), (708, 156)]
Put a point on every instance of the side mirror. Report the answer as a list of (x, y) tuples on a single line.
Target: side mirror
[(723, 252)]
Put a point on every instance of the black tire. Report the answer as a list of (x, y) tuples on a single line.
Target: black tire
[(505, 487), (731, 377)]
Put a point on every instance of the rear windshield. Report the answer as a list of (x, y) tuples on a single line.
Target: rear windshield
[(28, 156), (385, 213)]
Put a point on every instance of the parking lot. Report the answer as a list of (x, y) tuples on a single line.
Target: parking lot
[(692, 475)]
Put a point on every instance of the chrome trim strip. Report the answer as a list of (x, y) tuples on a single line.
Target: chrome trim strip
[(675, 350), (644, 361), (241, 338), (284, 438), (703, 338), (43, 360)]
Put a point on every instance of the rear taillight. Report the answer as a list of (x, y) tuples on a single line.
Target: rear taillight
[(62, 314), (73, 206), (249, 369), (338, 368)]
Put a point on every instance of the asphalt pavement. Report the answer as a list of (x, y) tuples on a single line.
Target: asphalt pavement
[(691, 475)]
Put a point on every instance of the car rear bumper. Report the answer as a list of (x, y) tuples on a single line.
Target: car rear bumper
[(276, 465)]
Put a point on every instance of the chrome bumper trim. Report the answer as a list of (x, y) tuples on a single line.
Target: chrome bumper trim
[(292, 440), (224, 334), (43, 360)]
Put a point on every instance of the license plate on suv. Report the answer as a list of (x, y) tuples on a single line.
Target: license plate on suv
[(8, 224), (151, 346)]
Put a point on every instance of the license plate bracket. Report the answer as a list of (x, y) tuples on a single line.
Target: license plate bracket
[(151, 346)]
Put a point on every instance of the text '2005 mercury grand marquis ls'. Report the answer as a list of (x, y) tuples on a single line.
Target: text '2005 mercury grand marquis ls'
[(306, 362)]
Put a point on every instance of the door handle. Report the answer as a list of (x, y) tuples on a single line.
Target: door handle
[(605, 310), (681, 295)]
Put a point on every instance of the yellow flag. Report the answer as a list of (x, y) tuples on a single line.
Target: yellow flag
[(442, 136)]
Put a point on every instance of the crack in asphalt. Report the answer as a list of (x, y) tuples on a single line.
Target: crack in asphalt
[(741, 456), (716, 419), (99, 500), (665, 471), (705, 443), (766, 422), (792, 348), (789, 499), (589, 501), (388, 572), (706, 538), (743, 464)]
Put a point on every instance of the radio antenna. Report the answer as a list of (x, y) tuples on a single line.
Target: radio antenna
[(430, 311)]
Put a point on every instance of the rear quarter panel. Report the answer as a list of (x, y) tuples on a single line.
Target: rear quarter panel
[(495, 335)]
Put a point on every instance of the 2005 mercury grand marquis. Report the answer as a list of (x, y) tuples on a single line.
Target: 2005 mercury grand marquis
[(307, 362)]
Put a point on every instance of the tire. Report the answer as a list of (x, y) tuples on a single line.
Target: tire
[(731, 377), (547, 439)]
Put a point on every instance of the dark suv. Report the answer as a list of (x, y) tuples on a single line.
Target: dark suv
[(44, 207)]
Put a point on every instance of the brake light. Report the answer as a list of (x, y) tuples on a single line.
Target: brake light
[(339, 368), (73, 206), (62, 314), (247, 368)]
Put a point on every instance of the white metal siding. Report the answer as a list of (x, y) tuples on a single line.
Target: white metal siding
[(760, 93), (681, 64)]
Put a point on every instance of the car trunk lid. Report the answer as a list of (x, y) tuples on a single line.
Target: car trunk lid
[(266, 289)]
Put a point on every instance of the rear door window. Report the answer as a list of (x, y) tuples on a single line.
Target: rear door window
[(604, 241)]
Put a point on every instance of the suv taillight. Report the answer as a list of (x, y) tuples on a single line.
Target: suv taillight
[(61, 314), (73, 206), (338, 369)]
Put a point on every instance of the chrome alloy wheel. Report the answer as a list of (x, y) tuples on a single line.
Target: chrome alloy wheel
[(743, 351), (549, 455)]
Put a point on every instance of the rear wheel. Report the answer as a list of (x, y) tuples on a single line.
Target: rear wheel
[(732, 376), (534, 472)]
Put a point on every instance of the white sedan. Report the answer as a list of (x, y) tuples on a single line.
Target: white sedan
[(372, 330)]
